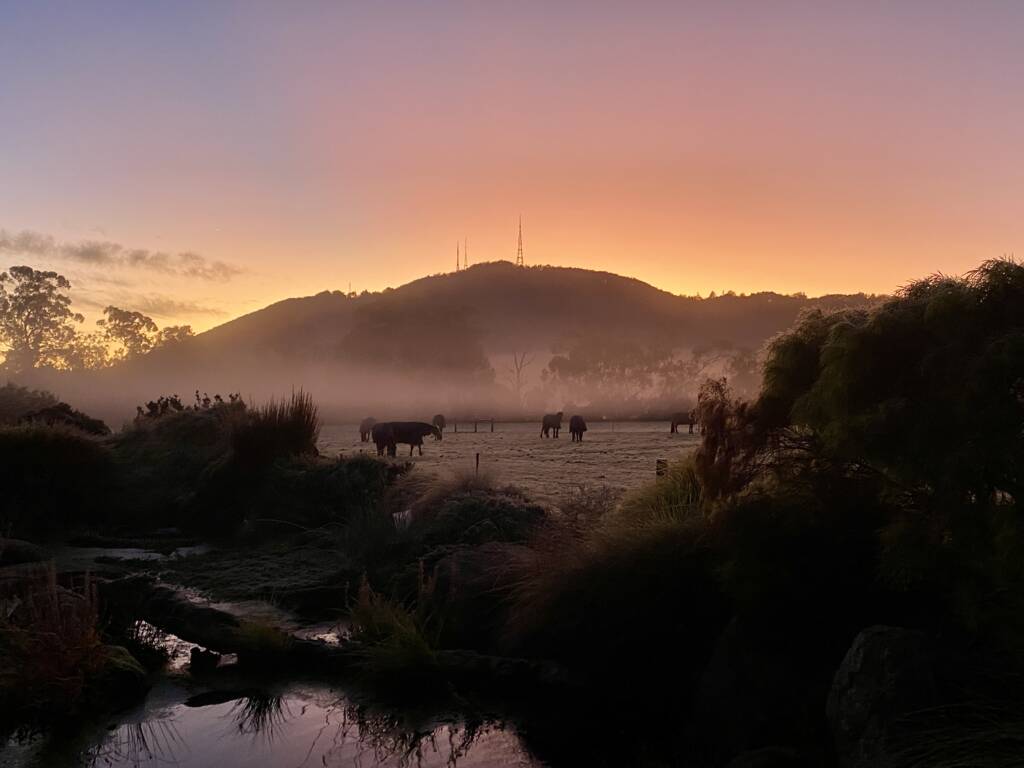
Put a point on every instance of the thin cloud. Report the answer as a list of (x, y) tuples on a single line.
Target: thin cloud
[(153, 304), (102, 253)]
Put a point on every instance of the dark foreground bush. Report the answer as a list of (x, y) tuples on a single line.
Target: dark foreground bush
[(209, 469), (63, 415), (16, 401), (633, 599), (55, 479)]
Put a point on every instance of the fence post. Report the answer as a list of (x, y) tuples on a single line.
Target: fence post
[(492, 425), (478, 464), (474, 426)]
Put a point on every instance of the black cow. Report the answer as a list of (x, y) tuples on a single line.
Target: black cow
[(552, 422), (577, 426), (365, 426), (679, 419), (384, 437), (413, 432)]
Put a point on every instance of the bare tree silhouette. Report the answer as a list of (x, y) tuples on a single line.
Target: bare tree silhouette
[(517, 372)]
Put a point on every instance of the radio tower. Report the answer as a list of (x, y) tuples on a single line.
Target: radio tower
[(519, 250), (465, 254), (456, 256)]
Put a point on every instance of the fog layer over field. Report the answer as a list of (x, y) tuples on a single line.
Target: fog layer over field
[(492, 341)]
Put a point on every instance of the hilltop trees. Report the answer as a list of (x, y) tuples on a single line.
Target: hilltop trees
[(37, 324), (39, 329), (133, 333)]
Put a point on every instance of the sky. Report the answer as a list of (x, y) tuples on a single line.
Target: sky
[(199, 160)]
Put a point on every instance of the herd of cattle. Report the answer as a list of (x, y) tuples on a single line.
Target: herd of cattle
[(387, 435)]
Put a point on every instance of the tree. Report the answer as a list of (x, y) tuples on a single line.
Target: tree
[(520, 362), (87, 351), (172, 334), (37, 324), (928, 387), (134, 331)]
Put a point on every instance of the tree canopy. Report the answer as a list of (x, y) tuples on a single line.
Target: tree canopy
[(38, 327), (928, 387), (37, 324)]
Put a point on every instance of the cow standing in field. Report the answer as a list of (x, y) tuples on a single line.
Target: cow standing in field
[(384, 438), (365, 427), (439, 422), (577, 426), (551, 422), (678, 419), (413, 432)]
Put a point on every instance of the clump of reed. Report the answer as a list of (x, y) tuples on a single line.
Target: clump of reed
[(50, 641), (276, 429)]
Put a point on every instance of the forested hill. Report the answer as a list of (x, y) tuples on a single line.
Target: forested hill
[(447, 342), (502, 308)]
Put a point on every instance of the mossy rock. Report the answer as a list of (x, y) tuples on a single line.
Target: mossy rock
[(121, 680)]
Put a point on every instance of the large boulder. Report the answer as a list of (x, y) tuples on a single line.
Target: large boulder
[(765, 685), (888, 672)]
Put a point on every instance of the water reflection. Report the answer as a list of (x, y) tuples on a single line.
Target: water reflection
[(136, 744), (300, 727), (261, 715)]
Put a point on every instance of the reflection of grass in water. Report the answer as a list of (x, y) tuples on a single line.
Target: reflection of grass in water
[(261, 714), (388, 736), (138, 743)]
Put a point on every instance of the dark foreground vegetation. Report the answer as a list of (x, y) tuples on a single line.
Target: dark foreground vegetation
[(834, 578)]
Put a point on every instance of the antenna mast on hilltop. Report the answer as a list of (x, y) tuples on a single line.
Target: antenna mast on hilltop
[(519, 250), (456, 256), (465, 254)]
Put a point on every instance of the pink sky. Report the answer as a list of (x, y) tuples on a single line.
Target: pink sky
[(801, 146)]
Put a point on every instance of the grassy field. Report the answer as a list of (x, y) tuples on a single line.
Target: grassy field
[(619, 455)]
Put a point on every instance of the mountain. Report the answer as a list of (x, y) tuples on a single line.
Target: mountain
[(447, 338), (515, 308)]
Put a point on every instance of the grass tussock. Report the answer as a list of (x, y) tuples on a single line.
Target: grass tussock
[(50, 643), (277, 428), (399, 643)]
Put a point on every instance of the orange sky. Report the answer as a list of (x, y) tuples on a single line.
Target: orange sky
[(791, 146)]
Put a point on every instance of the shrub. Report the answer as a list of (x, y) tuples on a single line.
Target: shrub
[(635, 597), (56, 479), (64, 415), (16, 401)]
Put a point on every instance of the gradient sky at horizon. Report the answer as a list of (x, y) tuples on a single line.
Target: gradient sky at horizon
[(791, 146)]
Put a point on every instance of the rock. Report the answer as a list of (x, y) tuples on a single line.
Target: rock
[(201, 661), (770, 757), (121, 680), (18, 552), (888, 671), (765, 684)]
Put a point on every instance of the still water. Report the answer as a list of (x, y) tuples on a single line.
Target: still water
[(290, 727)]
